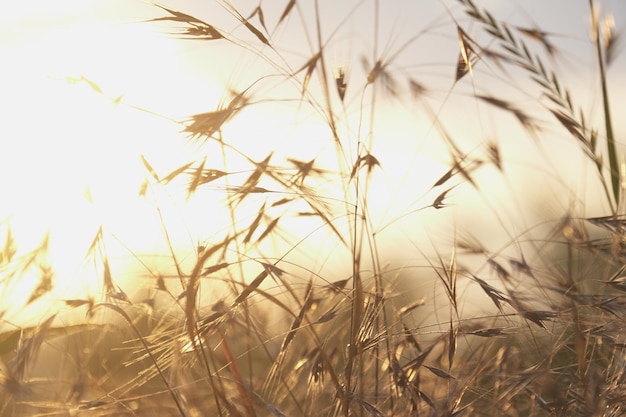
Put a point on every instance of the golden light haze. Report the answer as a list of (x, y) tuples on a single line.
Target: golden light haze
[(88, 89)]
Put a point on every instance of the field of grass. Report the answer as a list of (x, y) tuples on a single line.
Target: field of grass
[(404, 237)]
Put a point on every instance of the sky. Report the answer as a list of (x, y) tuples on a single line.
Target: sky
[(89, 87)]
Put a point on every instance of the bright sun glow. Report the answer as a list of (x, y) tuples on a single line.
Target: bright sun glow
[(88, 97)]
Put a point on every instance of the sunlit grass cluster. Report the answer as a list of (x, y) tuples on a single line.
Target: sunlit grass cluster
[(295, 302)]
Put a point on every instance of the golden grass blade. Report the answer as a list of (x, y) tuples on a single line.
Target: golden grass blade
[(438, 203), (452, 342), (341, 82), (494, 155), (490, 332), (538, 316), (418, 361), (46, 275), (423, 397), (444, 178), (209, 175), (143, 188), (374, 72), (9, 250), (286, 11), (107, 278), (297, 322), (94, 243), (328, 315), (494, 294), (149, 168), (259, 35), (526, 121), (439, 372), (259, 11), (177, 16), (282, 201), (254, 225), (368, 160), (611, 40), (249, 289), (418, 89), (541, 37), (420, 302), (207, 124), (467, 55), (74, 303), (465, 173), (271, 226), (95, 87), (196, 27), (521, 266), (214, 268), (196, 179), (503, 274), (310, 66), (256, 32), (571, 125), (304, 169), (250, 185), (169, 177)]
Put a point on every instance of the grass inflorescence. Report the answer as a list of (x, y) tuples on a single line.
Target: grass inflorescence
[(295, 302)]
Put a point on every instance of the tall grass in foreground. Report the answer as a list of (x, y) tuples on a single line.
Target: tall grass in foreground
[(290, 338)]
